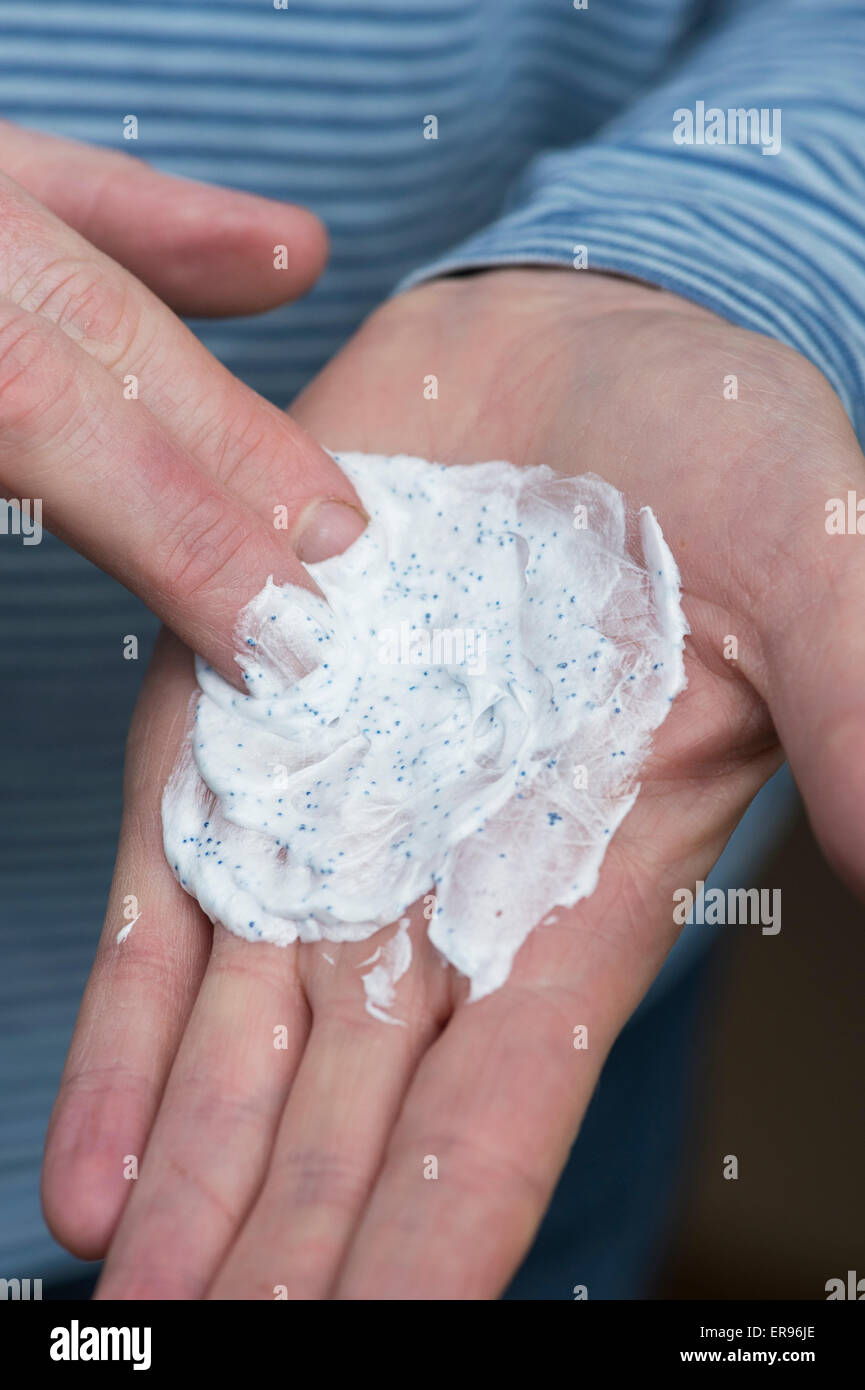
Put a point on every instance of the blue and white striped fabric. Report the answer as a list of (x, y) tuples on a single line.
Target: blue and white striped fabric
[(555, 128)]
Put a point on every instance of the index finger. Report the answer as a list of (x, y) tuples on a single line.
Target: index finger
[(117, 481)]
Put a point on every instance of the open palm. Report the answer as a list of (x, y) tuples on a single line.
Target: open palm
[(303, 1170)]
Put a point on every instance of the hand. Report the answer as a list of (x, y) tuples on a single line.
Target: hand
[(304, 1167), (171, 490)]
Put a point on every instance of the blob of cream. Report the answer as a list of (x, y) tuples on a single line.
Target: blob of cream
[(462, 710)]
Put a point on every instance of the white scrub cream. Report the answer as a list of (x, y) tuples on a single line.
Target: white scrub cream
[(464, 712)]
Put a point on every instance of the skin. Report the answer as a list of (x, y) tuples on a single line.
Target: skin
[(302, 1167), (173, 492)]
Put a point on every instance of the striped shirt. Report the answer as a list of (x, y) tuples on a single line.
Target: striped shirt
[(561, 131)]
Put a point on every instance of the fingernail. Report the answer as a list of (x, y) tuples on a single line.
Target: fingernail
[(328, 528)]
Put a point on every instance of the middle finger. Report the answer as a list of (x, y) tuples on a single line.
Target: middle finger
[(210, 1143)]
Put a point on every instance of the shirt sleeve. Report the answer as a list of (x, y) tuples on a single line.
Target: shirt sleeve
[(766, 228)]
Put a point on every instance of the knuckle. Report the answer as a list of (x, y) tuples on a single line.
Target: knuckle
[(213, 1102), (145, 970), (318, 1177), (254, 972), (84, 299), (482, 1175), (23, 391), (259, 444), (202, 549), (103, 1085), (228, 449)]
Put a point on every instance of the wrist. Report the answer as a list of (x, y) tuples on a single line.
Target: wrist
[(554, 290)]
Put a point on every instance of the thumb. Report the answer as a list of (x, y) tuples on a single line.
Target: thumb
[(204, 251)]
